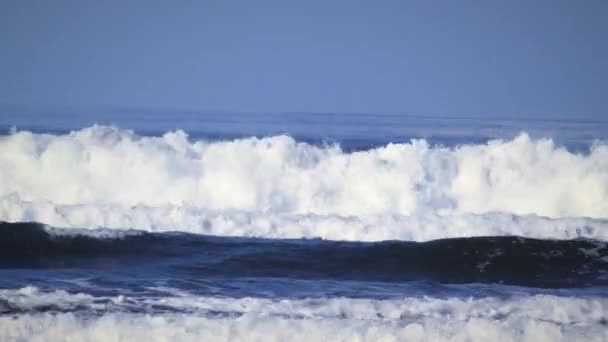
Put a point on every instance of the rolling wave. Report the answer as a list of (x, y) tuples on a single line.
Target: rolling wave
[(277, 187), (507, 260)]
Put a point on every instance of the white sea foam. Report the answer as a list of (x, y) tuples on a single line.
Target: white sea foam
[(97, 233), (119, 221), (276, 187), (527, 318)]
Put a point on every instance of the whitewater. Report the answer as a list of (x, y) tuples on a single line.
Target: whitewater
[(105, 176), (249, 319), (253, 227)]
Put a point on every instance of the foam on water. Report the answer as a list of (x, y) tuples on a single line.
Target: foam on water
[(277, 187), (98, 233), (52, 316), (106, 165), (417, 227)]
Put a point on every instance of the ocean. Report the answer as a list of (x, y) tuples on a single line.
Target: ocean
[(182, 226)]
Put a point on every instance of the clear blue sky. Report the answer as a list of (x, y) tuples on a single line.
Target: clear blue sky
[(520, 58)]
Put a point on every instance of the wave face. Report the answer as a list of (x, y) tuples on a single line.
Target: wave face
[(53, 316), (506, 260), (278, 187)]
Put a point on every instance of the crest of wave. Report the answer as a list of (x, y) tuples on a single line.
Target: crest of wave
[(109, 166)]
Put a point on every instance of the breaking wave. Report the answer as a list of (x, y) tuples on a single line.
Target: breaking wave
[(277, 187)]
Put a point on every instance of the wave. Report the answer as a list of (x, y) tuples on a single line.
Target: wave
[(419, 227), (276, 187), (57, 315), (107, 165), (507, 260)]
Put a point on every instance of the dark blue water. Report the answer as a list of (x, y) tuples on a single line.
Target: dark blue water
[(247, 267)]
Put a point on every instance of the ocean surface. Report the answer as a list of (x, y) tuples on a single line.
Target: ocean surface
[(182, 226)]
